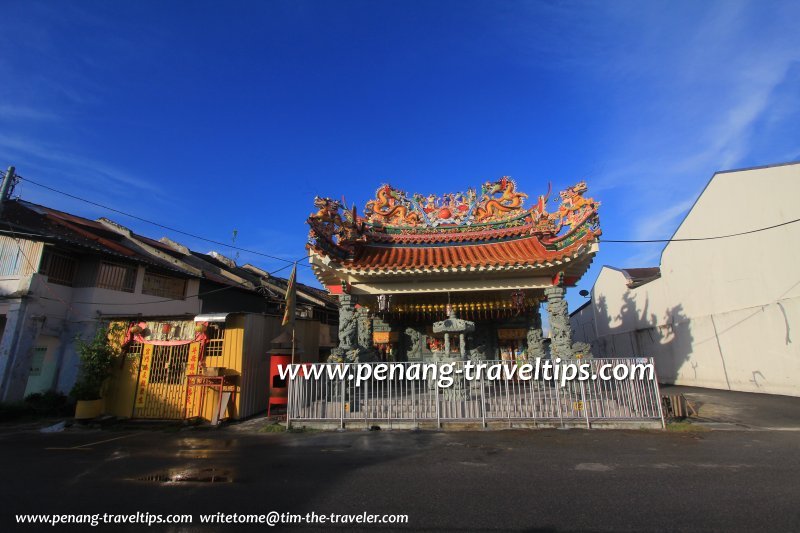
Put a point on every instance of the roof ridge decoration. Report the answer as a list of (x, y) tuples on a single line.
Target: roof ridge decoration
[(498, 211), (498, 201)]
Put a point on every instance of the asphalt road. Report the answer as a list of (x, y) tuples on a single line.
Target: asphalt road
[(536, 480)]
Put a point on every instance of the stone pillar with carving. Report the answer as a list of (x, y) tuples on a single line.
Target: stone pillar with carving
[(364, 329), (535, 336), (412, 344), (362, 351), (348, 327), (560, 331)]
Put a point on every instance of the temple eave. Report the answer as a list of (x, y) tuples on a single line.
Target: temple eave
[(444, 279), (446, 286)]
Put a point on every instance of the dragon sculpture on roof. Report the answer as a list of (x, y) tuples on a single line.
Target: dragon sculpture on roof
[(493, 207), (498, 205), (498, 200)]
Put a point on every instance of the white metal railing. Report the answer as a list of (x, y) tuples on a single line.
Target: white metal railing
[(481, 400)]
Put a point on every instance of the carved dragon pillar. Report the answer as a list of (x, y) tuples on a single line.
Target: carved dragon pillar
[(355, 333), (365, 341), (561, 333), (348, 327), (535, 336)]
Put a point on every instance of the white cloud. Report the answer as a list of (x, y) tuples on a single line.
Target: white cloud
[(19, 112), (86, 170), (660, 225)]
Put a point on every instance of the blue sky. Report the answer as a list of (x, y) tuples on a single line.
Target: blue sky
[(214, 117)]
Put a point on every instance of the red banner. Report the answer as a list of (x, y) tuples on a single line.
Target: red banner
[(144, 375), (191, 368)]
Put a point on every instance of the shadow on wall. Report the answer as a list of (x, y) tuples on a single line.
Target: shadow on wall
[(641, 333)]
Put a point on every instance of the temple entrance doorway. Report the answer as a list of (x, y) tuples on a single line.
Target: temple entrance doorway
[(512, 344)]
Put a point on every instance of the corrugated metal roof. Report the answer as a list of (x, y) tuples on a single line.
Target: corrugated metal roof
[(639, 276)]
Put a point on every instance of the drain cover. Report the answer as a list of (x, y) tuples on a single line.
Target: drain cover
[(189, 475)]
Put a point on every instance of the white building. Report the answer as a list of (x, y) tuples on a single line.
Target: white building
[(721, 313)]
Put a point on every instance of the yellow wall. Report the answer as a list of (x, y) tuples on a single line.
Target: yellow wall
[(231, 360), (121, 388), (244, 353)]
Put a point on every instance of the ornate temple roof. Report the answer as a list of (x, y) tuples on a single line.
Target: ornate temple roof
[(517, 253), (490, 229)]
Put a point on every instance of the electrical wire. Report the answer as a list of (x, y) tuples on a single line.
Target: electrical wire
[(690, 239), (158, 224), (292, 261), (281, 269)]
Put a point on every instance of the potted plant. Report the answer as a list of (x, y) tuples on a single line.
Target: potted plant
[(96, 356)]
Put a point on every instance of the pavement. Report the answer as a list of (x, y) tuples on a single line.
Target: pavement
[(688, 478), (511, 480), (722, 409)]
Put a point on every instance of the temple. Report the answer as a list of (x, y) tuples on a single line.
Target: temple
[(457, 276)]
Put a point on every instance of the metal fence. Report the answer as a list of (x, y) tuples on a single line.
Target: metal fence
[(484, 400)]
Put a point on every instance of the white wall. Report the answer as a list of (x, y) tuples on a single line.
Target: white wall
[(745, 271), (45, 380), (724, 312), (39, 311)]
